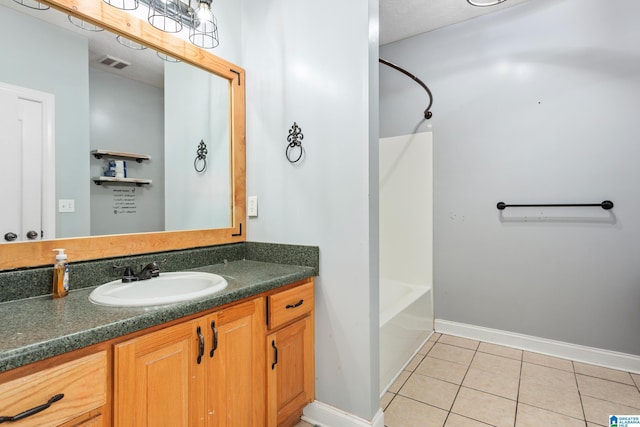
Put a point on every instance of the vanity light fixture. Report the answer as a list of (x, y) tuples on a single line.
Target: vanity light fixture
[(123, 4), (165, 15), (485, 3), (171, 15), (32, 4), (204, 29)]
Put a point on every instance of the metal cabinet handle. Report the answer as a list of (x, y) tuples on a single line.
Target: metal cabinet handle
[(296, 305), (201, 345), (10, 237), (275, 354), (32, 234), (32, 411), (215, 338)]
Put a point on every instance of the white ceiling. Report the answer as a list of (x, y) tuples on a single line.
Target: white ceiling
[(400, 19)]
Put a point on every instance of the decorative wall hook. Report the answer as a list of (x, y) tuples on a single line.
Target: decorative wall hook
[(295, 140), (200, 162)]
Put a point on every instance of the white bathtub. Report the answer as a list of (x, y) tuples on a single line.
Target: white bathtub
[(406, 322)]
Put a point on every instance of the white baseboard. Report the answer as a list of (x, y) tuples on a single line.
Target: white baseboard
[(595, 356), (324, 415)]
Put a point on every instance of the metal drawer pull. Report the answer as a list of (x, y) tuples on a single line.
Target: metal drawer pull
[(215, 338), (201, 346), (32, 411), (298, 304), (275, 355)]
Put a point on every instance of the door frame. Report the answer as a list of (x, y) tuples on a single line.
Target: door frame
[(48, 166)]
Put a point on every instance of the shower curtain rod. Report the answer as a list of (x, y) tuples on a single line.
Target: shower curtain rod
[(427, 113)]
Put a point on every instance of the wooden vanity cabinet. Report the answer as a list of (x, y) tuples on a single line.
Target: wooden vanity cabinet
[(218, 369), (83, 382), (203, 372), (248, 364), (290, 354)]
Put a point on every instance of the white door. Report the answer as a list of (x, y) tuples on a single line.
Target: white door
[(27, 172)]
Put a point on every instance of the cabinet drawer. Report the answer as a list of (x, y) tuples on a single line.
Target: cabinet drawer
[(83, 383), (290, 304)]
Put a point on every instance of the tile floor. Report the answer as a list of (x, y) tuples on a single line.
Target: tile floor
[(457, 382)]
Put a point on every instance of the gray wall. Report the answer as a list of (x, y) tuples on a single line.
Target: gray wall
[(43, 57), (127, 115), (537, 103), (316, 64)]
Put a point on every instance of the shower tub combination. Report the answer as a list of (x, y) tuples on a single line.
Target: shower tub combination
[(406, 251), (406, 322)]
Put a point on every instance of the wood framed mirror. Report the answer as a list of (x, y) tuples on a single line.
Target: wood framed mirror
[(29, 254)]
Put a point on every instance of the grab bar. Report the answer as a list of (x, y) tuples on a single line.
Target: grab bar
[(606, 205)]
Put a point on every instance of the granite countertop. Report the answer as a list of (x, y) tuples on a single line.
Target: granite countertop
[(34, 329)]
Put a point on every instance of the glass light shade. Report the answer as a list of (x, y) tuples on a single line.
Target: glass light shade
[(123, 4), (167, 58), (130, 43), (204, 29), (84, 24), (32, 4), (485, 3), (165, 15)]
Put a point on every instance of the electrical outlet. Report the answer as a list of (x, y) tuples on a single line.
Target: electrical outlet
[(66, 205), (252, 206)]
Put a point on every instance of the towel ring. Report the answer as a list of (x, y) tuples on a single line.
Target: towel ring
[(200, 162)]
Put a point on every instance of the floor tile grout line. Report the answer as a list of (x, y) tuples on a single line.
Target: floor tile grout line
[(515, 416), (547, 366), (610, 401), (601, 398), (459, 388), (607, 379), (551, 411), (575, 378), (420, 401)]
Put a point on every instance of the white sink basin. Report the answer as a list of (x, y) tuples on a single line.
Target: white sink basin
[(168, 288)]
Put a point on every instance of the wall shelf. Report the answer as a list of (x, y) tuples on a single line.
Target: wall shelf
[(98, 154), (100, 180)]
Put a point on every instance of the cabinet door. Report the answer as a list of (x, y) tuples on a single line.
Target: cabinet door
[(235, 371), (290, 372), (156, 379)]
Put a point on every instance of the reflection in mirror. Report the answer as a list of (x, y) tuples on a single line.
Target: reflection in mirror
[(137, 104), (97, 12)]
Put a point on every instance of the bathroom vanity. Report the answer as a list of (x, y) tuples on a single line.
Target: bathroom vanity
[(248, 361)]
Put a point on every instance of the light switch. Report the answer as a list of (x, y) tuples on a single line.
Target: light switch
[(252, 206), (66, 205)]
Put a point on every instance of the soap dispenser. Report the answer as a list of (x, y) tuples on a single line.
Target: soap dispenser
[(60, 275)]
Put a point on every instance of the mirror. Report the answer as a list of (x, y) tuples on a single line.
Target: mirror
[(230, 166)]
